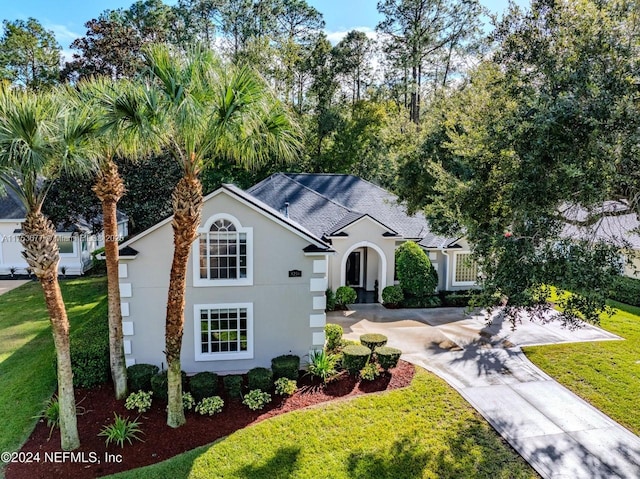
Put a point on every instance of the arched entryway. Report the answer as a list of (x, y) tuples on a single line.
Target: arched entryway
[(364, 268)]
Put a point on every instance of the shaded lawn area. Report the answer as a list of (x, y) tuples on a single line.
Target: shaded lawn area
[(424, 431), (27, 374), (607, 373)]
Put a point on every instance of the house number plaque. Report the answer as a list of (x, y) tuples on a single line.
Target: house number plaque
[(295, 273)]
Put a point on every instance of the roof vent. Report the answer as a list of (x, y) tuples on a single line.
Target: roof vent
[(286, 209)]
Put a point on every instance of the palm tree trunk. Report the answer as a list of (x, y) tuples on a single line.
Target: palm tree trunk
[(109, 188), (187, 205), (41, 253)]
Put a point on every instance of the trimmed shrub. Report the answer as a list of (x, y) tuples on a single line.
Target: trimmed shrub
[(203, 385), (286, 366), (373, 340), (392, 295), (90, 354), (256, 399), (457, 299), (369, 372), (210, 406), (260, 378), (626, 290), (285, 387), (416, 274), (345, 295), (331, 299), (431, 301), (387, 357), (333, 333), (140, 400), (188, 401), (354, 358), (139, 376), (233, 385), (159, 385)]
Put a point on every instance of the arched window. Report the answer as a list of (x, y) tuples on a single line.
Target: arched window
[(224, 252)]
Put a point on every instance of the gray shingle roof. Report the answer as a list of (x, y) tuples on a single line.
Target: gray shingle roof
[(623, 231), (325, 203), (11, 208)]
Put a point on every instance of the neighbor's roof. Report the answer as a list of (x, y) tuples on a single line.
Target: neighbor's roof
[(622, 230), (326, 203)]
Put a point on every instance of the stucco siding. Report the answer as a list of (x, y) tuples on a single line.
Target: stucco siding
[(282, 305)]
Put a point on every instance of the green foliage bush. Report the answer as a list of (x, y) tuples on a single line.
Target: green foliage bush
[(333, 334), (626, 290), (260, 378), (322, 365), (203, 385), (122, 429), (369, 372), (392, 295), (387, 357), (256, 399), (417, 276), (159, 385), (331, 300), (286, 366), (345, 295), (51, 414), (188, 401), (139, 376), (430, 301), (354, 358), (90, 355), (210, 406), (140, 400), (373, 340), (459, 299), (285, 387), (233, 385)]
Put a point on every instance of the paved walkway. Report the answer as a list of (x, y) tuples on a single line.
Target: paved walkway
[(9, 284), (558, 433)]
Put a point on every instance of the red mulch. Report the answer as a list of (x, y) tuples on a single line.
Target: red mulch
[(162, 442)]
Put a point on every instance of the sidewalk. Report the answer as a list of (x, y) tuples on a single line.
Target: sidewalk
[(558, 433), (9, 284)]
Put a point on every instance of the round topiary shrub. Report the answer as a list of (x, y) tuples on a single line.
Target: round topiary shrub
[(233, 385), (345, 295), (416, 274), (203, 385), (159, 385), (286, 366), (387, 357), (139, 376), (333, 333), (354, 358), (373, 340), (392, 295), (260, 378)]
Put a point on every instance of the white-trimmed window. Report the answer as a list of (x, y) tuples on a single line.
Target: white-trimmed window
[(66, 245), (465, 270), (223, 331), (223, 253)]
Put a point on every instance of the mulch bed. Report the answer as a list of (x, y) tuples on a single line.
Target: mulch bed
[(162, 442)]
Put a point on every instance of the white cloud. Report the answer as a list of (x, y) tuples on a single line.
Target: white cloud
[(62, 33), (335, 37)]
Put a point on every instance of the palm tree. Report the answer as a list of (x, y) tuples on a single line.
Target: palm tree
[(212, 111), (115, 104), (38, 139)]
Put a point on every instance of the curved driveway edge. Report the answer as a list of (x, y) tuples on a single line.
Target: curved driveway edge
[(7, 285), (558, 433)]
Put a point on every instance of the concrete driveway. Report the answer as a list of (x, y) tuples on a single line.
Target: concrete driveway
[(9, 284), (558, 433)]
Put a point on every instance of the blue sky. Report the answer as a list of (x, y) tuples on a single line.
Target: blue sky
[(67, 17)]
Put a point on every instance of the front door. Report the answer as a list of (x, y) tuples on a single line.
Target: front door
[(354, 276)]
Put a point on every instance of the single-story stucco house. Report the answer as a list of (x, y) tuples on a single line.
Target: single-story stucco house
[(259, 270), (76, 242)]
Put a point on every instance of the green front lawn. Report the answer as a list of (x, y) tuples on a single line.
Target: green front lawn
[(424, 431), (27, 375), (606, 373)]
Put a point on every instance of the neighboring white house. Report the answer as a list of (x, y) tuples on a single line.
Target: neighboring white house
[(257, 274), (76, 242)]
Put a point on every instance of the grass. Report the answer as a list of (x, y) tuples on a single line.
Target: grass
[(27, 375), (606, 373), (424, 431)]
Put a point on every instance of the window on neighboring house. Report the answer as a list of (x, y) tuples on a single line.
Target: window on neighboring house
[(224, 252), (224, 331), (65, 244), (466, 269)]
